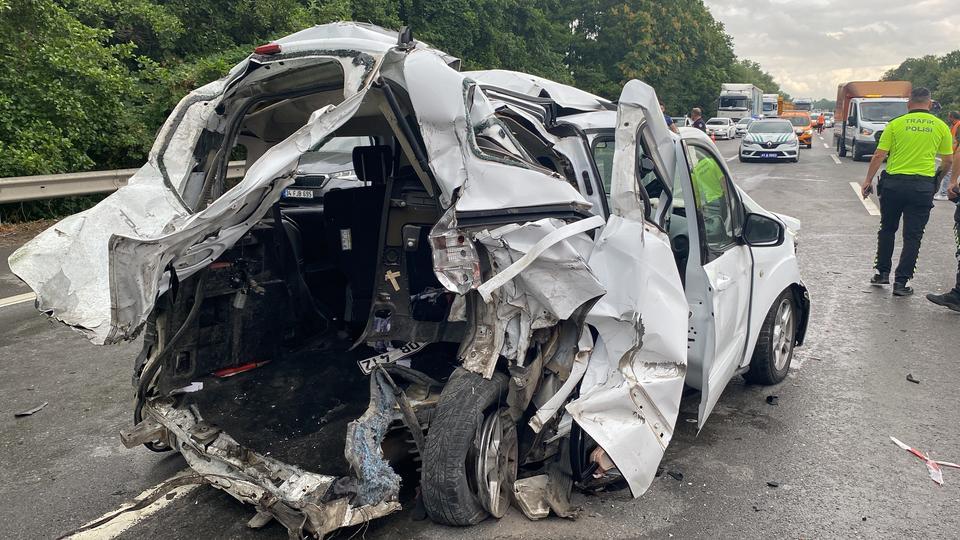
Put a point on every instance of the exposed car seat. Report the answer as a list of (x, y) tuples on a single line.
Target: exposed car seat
[(352, 219)]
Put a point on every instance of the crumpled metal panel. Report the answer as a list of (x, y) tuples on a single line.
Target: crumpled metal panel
[(630, 394), (101, 270), (565, 96), (438, 94)]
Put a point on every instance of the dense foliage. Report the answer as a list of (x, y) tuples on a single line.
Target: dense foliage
[(85, 84), (941, 74)]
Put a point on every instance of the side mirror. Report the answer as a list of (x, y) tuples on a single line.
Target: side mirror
[(762, 231)]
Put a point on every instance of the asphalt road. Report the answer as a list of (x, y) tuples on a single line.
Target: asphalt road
[(826, 443)]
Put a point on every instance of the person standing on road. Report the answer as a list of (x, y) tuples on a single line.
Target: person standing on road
[(696, 115), (910, 144), (951, 299), (954, 120), (820, 123), (670, 123)]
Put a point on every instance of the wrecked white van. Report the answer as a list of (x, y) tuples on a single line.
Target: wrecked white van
[(493, 311)]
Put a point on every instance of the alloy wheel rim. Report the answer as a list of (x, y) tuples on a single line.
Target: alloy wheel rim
[(783, 333)]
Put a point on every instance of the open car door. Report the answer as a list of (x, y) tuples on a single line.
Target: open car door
[(718, 274), (630, 394)]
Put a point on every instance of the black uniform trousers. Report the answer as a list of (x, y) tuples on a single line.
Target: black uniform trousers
[(909, 197), (956, 236)]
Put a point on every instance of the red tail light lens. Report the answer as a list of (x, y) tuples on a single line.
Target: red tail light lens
[(269, 48)]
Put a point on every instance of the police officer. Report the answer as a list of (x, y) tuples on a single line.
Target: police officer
[(951, 299), (910, 144), (697, 116)]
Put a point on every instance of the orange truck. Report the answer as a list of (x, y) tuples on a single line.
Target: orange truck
[(863, 110)]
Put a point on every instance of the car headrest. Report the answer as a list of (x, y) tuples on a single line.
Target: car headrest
[(372, 163)]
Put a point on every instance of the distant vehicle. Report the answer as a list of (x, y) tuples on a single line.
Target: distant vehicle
[(682, 121), (770, 139), (803, 104), (802, 126), (743, 125), (328, 168), (772, 106), (828, 119), (863, 110), (721, 128), (740, 101)]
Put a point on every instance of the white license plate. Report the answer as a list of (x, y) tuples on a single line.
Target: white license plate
[(768, 155), (298, 193), (367, 364)]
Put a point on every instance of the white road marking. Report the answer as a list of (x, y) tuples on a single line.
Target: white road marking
[(835, 159), (825, 145), (820, 136), (18, 299), (731, 158), (867, 203), (117, 526)]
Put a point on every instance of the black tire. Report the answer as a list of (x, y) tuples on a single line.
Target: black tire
[(445, 488), (763, 366), (857, 153), (740, 157)]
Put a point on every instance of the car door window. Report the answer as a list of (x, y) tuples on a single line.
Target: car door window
[(603, 148), (715, 201)]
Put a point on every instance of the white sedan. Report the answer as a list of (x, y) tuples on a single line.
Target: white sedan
[(770, 139), (721, 128)]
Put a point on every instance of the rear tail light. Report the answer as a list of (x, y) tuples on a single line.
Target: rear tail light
[(455, 259), (269, 48)]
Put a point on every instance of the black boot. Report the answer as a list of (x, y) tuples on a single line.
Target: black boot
[(880, 278), (901, 289), (950, 300)]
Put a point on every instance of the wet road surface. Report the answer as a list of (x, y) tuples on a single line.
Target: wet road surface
[(825, 444)]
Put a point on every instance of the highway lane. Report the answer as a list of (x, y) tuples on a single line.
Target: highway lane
[(825, 444)]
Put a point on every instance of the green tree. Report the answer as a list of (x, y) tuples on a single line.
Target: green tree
[(65, 93), (750, 72), (676, 46)]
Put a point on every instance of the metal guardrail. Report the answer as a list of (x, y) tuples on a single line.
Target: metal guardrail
[(51, 186)]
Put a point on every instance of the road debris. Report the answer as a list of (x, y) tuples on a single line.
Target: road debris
[(30, 412), (773, 484), (236, 370), (676, 475), (933, 466), (911, 379), (773, 400)]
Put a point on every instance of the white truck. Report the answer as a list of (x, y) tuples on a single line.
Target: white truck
[(771, 105), (739, 101), (803, 104)]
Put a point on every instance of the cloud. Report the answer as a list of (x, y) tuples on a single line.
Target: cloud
[(811, 46)]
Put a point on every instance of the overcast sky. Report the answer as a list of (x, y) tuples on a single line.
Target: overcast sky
[(810, 46)]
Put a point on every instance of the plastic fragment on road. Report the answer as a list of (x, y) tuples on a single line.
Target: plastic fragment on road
[(236, 370), (30, 412), (911, 379), (933, 465), (773, 400)]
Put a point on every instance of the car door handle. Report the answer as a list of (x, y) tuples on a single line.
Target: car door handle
[(723, 282)]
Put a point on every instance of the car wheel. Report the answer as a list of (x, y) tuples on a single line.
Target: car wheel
[(774, 351), (857, 153), (741, 158), (470, 453)]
